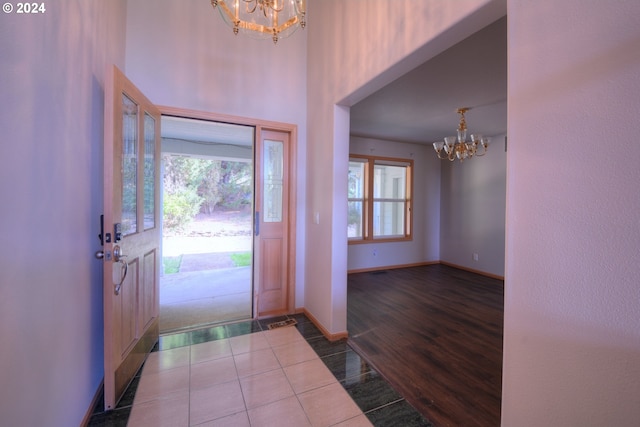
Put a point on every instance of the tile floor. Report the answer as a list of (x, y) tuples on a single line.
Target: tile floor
[(243, 374)]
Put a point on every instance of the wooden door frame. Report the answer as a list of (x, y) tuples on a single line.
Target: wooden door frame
[(261, 125)]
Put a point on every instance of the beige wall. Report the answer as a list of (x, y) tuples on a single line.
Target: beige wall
[(52, 67), (472, 211), (572, 300)]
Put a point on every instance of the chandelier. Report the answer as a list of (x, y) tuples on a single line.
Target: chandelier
[(263, 18), (461, 149)]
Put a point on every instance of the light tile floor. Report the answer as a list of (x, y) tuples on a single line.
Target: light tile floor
[(242, 374), (268, 378)]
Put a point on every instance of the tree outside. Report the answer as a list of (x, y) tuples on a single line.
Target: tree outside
[(204, 198)]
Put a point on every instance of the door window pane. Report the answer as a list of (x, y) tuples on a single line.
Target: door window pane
[(273, 180), (149, 171), (129, 165)]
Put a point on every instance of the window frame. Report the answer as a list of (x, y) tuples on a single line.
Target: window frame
[(369, 200)]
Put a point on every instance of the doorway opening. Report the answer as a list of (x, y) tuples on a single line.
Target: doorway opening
[(207, 229)]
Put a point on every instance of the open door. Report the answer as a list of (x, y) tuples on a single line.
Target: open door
[(131, 232)]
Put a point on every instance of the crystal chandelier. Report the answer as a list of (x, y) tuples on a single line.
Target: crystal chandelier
[(461, 149), (263, 18)]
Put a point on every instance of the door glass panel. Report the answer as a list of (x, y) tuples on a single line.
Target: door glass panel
[(273, 180), (129, 165), (149, 171)]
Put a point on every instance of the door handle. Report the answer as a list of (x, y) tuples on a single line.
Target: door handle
[(117, 253), (124, 267)]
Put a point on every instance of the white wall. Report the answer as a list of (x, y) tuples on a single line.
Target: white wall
[(426, 208), (473, 210), (182, 54), (349, 59), (52, 67), (572, 299)]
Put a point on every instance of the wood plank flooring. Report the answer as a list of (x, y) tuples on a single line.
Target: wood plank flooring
[(435, 333)]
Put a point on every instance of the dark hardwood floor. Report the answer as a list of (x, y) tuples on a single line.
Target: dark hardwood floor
[(435, 333)]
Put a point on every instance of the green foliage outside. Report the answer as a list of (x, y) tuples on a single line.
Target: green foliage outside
[(171, 264), (241, 259), (193, 185), (180, 208)]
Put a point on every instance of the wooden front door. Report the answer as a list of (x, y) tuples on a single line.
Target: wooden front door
[(272, 223), (131, 232)]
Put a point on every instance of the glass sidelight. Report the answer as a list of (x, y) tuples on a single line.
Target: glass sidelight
[(273, 180)]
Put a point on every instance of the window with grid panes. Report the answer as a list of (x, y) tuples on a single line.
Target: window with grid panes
[(379, 199)]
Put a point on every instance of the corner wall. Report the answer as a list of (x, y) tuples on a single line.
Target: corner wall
[(51, 116), (472, 209)]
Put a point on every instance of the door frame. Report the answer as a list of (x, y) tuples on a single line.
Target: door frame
[(261, 125), (127, 342)]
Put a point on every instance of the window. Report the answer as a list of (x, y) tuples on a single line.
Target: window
[(379, 199)]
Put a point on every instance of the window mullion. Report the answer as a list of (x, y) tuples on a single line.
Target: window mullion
[(369, 199)]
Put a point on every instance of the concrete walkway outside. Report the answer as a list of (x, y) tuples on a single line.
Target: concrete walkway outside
[(208, 288)]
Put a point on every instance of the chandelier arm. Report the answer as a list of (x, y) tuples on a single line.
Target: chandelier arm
[(483, 152), (255, 5), (452, 155), (273, 4), (440, 157)]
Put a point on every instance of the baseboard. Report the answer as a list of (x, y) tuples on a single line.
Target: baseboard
[(471, 270), (392, 267), (328, 335), (420, 264), (94, 402)]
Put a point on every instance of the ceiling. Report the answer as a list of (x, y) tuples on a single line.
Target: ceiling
[(418, 107), (421, 105)]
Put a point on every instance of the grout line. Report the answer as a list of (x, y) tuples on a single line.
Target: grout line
[(385, 405), (235, 366)]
